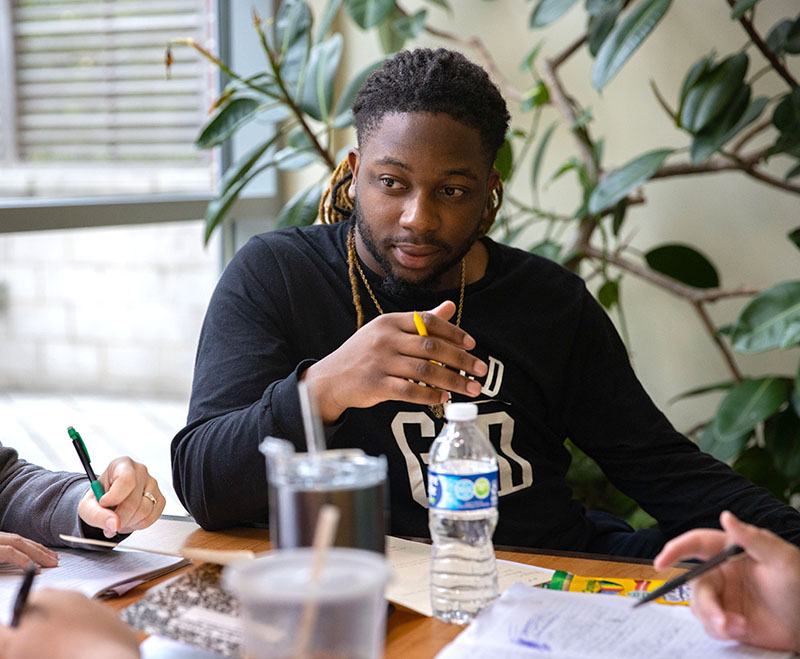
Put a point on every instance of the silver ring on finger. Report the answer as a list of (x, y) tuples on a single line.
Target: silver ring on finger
[(149, 496)]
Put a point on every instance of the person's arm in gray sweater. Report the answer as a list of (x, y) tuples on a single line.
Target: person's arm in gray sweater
[(36, 505)]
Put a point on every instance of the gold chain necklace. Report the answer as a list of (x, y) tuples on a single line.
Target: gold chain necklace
[(438, 408)]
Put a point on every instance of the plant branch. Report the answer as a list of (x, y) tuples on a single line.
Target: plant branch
[(721, 346), (750, 134), (745, 164), (661, 100), (565, 54), (780, 69), (475, 43), (559, 96), (690, 293), (697, 297), (288, 100)]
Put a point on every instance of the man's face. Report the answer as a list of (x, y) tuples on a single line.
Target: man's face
[(421, 182)]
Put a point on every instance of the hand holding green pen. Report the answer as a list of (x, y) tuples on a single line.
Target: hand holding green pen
[(83, 454), (125, 497)]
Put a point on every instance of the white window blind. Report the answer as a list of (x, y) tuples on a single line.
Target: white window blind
[(87, 107)]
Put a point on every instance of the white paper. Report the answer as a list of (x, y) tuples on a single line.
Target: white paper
[(530, 622), (410, 584), (89, 572), (160, 647)]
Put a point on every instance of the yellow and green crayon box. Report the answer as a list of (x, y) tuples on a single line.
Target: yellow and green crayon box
[(635, 588)]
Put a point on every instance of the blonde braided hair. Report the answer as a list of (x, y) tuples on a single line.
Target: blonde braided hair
[(336, 205)]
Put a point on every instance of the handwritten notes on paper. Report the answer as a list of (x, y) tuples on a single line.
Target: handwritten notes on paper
[(410, 585), (532, 622)]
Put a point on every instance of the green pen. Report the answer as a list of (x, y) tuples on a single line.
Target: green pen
[(83, 454)]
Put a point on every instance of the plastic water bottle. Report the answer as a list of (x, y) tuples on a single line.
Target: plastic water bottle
[(462, 515)]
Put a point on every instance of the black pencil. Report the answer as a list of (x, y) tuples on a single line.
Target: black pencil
[(22, 594), (696, 571)]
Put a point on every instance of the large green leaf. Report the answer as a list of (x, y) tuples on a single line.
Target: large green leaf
[(786, 117), (625, 38), (783, 442), (217, 208), (601, 24), (291, 158), (302, 209), (293, 36), (770, 320), (712, 92), (328, 16), (608, 294), (683, 263), (792, 44), (757, 466), (699, 69), (794, 236), (369, 13), (784, 37), (348, 95), (548, 11), (748, 404), (232, 115), (539, 155), (537, 95), (292, 23), (620, 182), (705, 389), (392, 40), (548, 249), (245, 163), (411, 26), (721, 131), (317, 98), (723, 449), (504, 160), (741, 8)]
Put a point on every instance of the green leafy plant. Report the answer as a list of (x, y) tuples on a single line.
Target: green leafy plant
[(719, 110)]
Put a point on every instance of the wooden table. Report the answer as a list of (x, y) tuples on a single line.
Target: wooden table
[(408, 634)]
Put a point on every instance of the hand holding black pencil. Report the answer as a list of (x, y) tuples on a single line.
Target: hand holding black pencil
[(702, 568), (22, 594)]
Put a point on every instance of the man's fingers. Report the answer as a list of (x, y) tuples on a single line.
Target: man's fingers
[(20, 551), (437, 324), (141, 511), (91, 512), (761, 545), (120, 480), (699, 543), (706, 605)]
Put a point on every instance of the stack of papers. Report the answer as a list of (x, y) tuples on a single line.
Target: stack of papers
[(92, 573), (410, 584), (529, 622)]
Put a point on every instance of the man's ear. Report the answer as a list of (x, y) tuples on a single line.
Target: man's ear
[(353, 160), (494, 179)]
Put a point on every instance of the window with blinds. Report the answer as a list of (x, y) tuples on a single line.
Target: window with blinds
[(86, 106)]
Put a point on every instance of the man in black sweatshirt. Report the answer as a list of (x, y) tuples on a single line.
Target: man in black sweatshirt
[(404, 229)]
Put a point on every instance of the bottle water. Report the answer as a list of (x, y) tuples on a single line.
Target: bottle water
[(462, 515)]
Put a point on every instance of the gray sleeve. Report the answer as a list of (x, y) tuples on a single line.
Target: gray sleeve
[(40, 504)]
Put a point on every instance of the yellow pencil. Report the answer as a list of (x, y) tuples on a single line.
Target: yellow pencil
[(421, 329)]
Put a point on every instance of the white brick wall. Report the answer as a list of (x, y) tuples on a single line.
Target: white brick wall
[(113, 309)]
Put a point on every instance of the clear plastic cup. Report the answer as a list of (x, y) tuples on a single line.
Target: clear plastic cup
[(284, 615)]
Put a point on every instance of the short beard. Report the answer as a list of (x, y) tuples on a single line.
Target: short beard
[(392, 283)]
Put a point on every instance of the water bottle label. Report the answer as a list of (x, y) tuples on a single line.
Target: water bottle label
[(462, 492)]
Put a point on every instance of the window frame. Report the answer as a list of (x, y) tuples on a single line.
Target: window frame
[(238, 45)]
